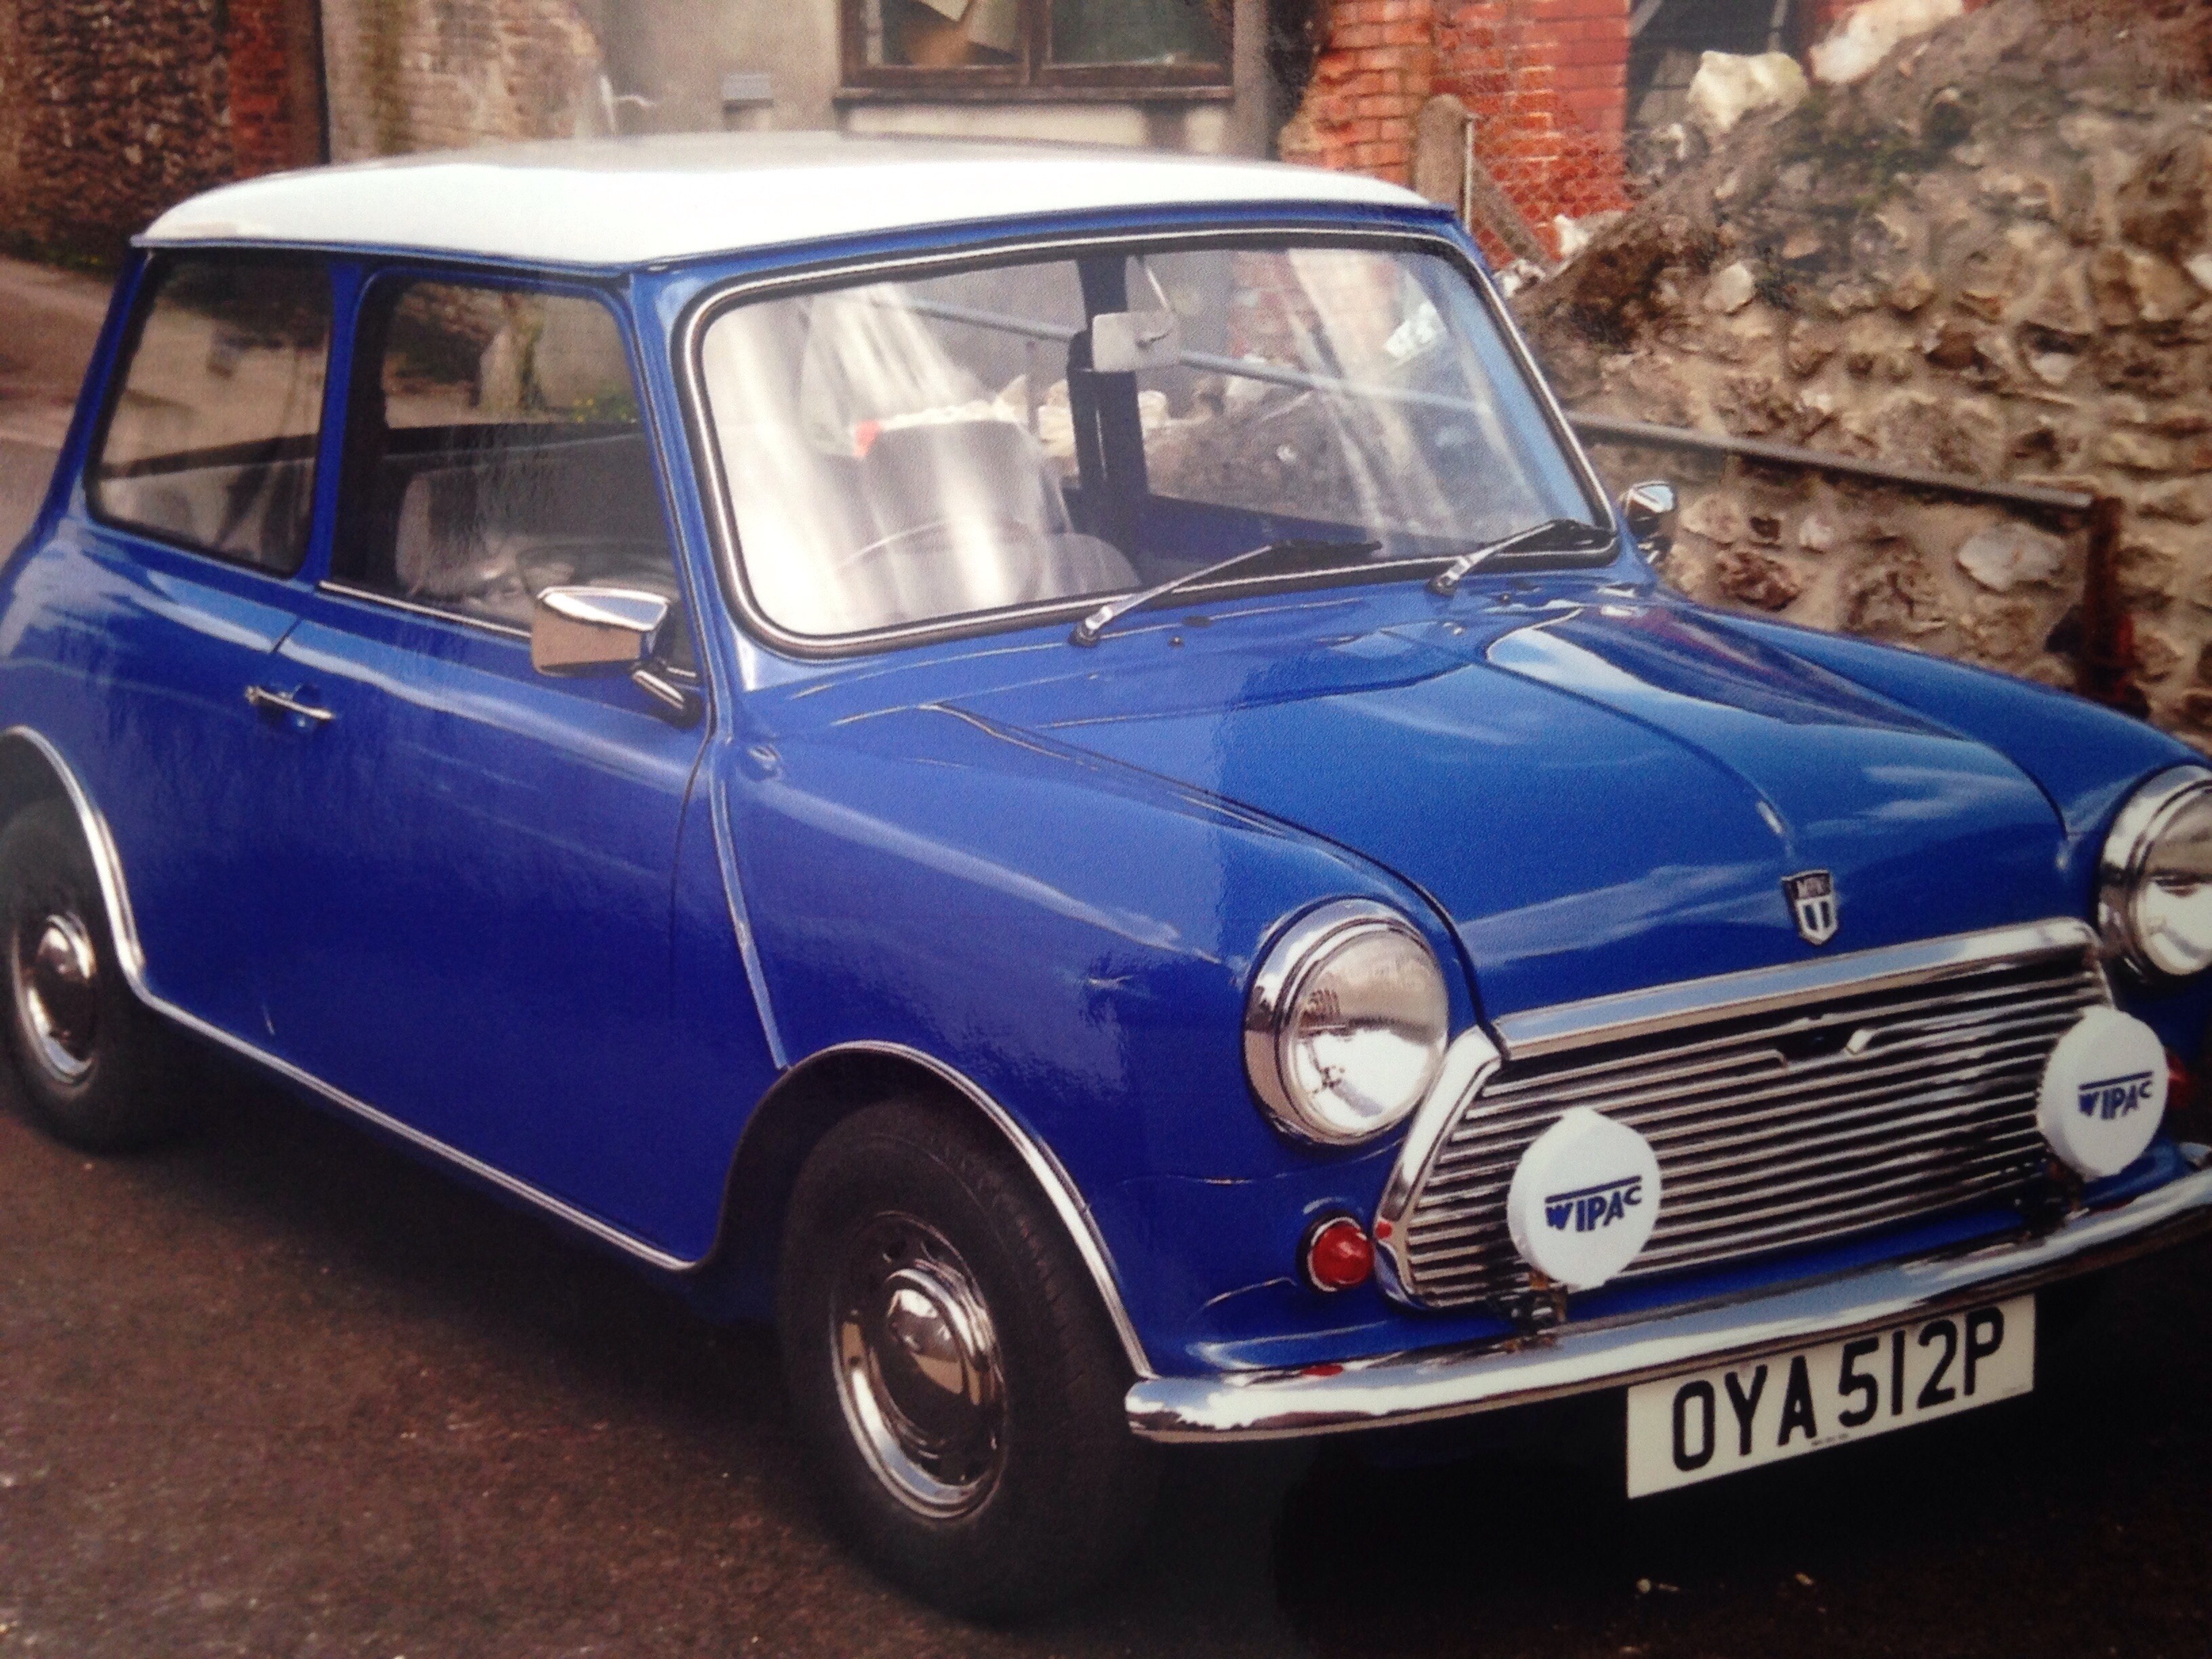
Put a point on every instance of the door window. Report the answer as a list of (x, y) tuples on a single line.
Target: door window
[(210, 439), (494, 451)]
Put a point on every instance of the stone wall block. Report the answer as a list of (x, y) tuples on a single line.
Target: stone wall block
[(2062, 304), (2163, 206), (1894, 597), (2149, 570), (1756, 579), (2006, 555)]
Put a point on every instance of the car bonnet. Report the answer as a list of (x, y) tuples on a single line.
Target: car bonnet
[(1598, 795)]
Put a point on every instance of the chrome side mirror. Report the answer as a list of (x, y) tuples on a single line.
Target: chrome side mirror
[(595, 631), (576, 631), (1650, 509)]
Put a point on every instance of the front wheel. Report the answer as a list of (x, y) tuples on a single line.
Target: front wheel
[(949, 1362), (100, 1071)]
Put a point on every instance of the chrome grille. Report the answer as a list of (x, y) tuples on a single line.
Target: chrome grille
[(1773, 1130)]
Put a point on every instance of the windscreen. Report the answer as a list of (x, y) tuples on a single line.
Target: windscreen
[(908, 451)]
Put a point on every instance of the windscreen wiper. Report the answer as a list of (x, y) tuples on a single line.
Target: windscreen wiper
[(1087, 631), (1553, 535)]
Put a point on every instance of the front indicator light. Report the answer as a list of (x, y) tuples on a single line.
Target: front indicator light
[(1338, 1255)]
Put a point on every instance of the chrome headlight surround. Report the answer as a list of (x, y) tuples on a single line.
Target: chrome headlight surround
[(2155, 877), (1286, 1019)]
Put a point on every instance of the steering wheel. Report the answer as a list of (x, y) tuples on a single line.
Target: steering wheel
[(558, 563), (1022, 551), (939, 536)]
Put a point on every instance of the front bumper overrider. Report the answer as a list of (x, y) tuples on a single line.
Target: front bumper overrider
[(1432, 1384)]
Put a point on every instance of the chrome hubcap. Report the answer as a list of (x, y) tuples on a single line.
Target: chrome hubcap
[(57, 993), (918, 1368)]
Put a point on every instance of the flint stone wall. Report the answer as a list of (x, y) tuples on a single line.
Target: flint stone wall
[(1993, 257), (112, 110)]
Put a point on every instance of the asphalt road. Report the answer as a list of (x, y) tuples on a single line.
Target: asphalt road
[(281, 1390)]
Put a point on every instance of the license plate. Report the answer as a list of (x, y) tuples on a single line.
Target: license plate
[(1682, 1429)]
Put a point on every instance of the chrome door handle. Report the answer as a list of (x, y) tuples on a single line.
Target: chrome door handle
[(261, 697)]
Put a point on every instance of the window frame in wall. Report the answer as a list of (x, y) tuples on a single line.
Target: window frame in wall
[(1033, 75)]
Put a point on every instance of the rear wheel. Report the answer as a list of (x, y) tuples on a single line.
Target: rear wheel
[(98, 1069), (949, 1364)]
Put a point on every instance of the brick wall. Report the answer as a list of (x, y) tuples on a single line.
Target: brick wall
[(267, 44), (1547, 81), (415, 74), (1370, 81)]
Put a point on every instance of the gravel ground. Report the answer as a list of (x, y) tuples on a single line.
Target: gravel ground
[(282, 1391), (24, 469)]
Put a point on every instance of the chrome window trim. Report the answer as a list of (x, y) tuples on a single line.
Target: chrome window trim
[(720, 512), (345, 589), (1663, 1008), (1525, 1368), (1060, 1189), (338, 588), (2127, 847)]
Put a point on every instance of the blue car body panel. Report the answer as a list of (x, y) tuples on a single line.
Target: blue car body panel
[(577, 943), (1619, 735)]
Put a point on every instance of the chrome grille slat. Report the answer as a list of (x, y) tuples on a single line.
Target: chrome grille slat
[(1682, 1201), (1451, 1180), (1759, 1152), (1765, 1033), (1804, 1227), (1696, 1222), (2055, 1020)]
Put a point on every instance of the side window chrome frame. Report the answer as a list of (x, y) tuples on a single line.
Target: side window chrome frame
[(150, 277), (403, 272)]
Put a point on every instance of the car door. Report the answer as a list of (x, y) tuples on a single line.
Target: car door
[(470, 920), (154, 609)]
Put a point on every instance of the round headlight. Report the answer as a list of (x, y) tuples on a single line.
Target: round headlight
[(1345, 1026), (2155, 879)]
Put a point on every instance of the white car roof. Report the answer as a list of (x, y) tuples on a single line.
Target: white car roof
[(636, 201)]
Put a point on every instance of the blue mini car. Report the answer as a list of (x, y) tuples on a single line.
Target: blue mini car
[(1051, 767)]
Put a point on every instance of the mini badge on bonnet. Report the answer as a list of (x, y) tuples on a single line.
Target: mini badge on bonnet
[(1812, 895)]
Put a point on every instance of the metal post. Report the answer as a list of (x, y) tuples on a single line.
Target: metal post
[(1467, 173), (2104, 659)]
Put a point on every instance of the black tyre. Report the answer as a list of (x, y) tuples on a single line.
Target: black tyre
[(98, 1069), (952, 1369)]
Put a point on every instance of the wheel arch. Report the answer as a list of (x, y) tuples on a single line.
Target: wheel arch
[(820, 1091), (33, 771), (26, 775)]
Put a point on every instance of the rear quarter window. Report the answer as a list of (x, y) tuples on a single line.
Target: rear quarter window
[(210, 437)]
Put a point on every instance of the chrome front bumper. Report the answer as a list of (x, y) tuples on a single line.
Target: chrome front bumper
[(1435, 1383)]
